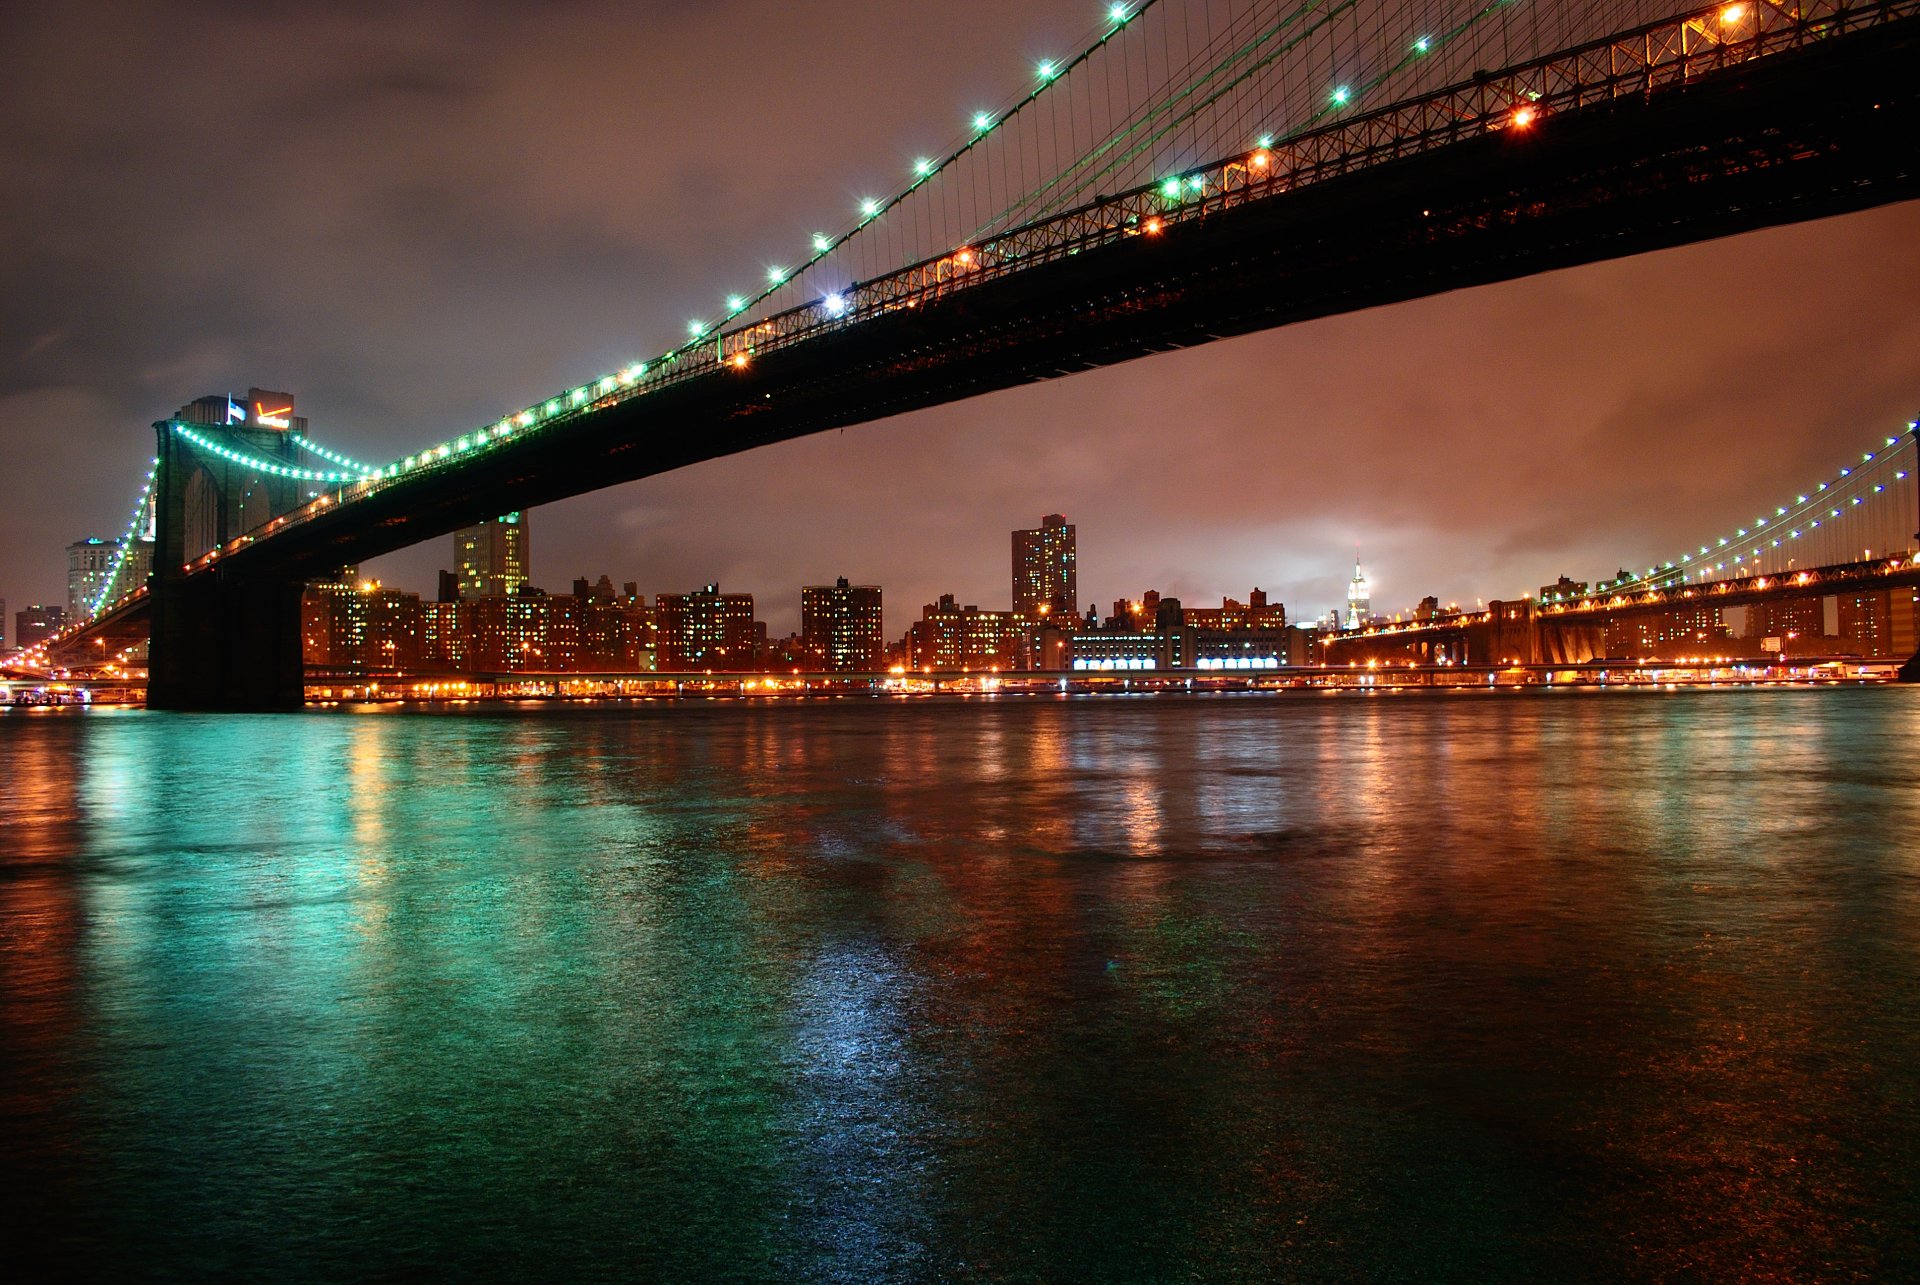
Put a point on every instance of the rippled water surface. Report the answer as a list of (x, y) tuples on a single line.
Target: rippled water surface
[(1472, 987)]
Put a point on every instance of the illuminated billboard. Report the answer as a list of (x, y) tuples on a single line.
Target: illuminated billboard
[(268, 409)]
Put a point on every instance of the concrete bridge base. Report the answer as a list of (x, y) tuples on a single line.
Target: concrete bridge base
[(226, 646), (1910, 672)]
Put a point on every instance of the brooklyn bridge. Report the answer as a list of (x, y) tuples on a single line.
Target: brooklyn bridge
[(1153, 192)]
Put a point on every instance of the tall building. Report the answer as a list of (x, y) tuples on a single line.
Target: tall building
[(33, 624), (706, 629), (89, 562), (1798, 617), (491, 559), (1879, 624), (360, 627), (1359, 598), (1045, 580), (950, 636), (92, 560), (536, 631), (1677, 631), (841, 624)]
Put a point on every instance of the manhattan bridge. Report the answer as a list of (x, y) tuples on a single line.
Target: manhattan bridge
[(1199, 169)]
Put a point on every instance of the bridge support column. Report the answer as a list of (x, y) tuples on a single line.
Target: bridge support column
[(226, 646)]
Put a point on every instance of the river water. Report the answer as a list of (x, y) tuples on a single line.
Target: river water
[(1479, 986)]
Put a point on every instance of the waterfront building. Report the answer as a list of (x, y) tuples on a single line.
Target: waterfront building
[(707, 629), (1678, 631), (491, 558), (951, 636), (364, 627), (1255, 613), (1186, 638), (841, 623), (536, 632), (32, 625), (1802, 616), (1045, 578), (1878, 624), (1116, 649)]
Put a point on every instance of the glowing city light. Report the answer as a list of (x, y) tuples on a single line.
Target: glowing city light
[(776, 275), (983, 120), (1047, 70), (923, 167), (869, 207), (1340, 95), (1421, 45), (822, 244), (835, 304)]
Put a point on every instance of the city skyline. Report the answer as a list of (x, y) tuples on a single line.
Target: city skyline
[(1473, 444)]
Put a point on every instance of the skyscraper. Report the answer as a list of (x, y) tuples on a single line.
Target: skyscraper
[(89, 563), (491, 559), (1045, 581), (841, 624), (1359, 598)]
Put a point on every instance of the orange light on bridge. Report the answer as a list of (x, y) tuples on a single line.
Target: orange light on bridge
[(1732, 14), (738, 361), (1151, 227), (1260, 159), (1524, 116)]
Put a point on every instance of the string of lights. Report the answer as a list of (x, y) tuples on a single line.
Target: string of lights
[(333, 457), (1367, 58), (259, 465), (134, 523), (1831, 498)]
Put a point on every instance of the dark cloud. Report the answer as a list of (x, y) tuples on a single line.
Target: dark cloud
[(417, 216)]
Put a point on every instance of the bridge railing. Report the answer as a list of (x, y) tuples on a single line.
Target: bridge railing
[(1646, 60)]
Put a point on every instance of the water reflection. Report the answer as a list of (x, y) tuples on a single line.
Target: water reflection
[(1478, 986)]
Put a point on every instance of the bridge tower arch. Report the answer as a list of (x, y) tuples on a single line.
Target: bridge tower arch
[(225, 468)]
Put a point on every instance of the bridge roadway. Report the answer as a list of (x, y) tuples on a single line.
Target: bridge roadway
[(1821, 130)]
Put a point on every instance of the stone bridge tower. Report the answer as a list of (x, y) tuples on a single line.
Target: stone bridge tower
[(225, 468)]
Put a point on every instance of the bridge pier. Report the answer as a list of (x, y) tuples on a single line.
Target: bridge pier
[(226, 646)]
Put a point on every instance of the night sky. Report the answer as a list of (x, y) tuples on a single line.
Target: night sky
[(418, 217)]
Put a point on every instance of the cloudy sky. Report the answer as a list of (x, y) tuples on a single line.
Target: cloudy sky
[(418, 217)]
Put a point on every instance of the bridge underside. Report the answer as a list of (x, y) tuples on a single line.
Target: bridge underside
[(1827, 130)]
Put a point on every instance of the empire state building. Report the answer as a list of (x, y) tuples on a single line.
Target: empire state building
[(1359, 599)]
